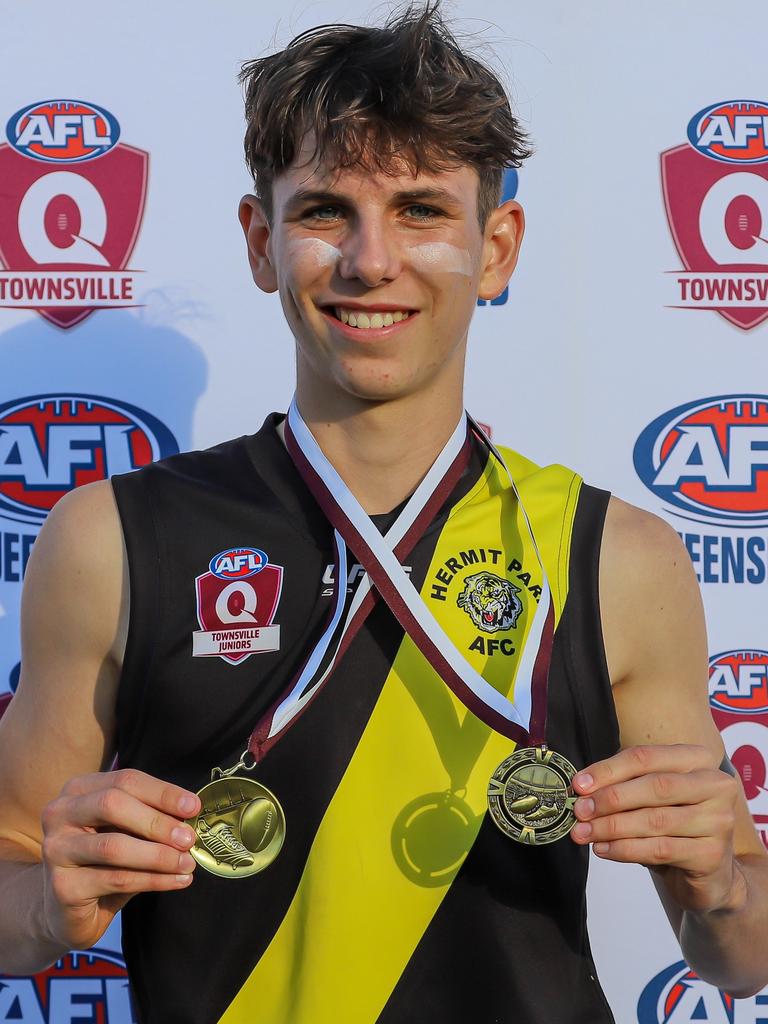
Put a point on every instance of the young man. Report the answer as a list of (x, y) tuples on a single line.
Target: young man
[(389, 892)]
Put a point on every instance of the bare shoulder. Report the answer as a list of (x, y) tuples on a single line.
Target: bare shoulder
[(648, 588), (74, 617), (632, 536), (78, 561)]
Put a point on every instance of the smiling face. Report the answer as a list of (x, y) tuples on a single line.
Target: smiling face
[(378, 276)]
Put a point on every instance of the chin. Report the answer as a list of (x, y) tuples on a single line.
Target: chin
[(377, 380), (377, 391)]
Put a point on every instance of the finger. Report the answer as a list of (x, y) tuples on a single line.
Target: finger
[(636, 761), (690, 822), (74, 848), (662, 789), (115, 809), (164, 796), (702, 856), (73, 886)]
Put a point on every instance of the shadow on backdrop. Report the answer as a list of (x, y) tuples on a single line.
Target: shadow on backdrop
[(141, 358)]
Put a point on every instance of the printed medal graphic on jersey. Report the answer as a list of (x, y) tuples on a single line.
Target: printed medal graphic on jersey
[(74, 200), (237, 601)]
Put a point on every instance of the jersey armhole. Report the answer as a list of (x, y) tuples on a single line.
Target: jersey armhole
[(586, 664), (146, 602)]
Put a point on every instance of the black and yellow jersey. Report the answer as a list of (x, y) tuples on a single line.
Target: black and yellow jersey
[(395, 898)]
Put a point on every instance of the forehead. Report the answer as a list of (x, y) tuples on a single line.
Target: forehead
[(360, 182)]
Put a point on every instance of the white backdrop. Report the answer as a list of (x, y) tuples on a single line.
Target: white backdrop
[(592, 349)]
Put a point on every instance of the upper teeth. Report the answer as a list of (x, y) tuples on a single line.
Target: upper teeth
[(355, 318)]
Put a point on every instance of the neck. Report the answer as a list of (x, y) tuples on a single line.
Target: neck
[(382, 450)]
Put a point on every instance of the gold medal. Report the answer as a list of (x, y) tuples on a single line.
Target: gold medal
[(530, 796), (240, 828)]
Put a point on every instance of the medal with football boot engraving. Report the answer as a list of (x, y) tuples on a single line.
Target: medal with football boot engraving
[(241, 826)]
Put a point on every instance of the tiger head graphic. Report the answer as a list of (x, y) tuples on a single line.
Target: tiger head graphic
[(490, 601)]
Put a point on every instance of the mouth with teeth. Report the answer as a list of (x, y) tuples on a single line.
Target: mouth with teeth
[(368, 320)]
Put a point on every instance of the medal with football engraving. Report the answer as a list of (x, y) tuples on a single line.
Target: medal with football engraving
[(240, 828), (530, 796)]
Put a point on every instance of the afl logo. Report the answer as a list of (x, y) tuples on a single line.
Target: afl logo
[(738, 682), (677, 995), (50, 444), (96, 982), (63, 131), (734, 131), (238, 563), (708, 459), (738, 697)]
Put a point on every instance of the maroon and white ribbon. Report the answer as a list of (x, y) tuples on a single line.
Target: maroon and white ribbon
[(348, 613), (523, 719)]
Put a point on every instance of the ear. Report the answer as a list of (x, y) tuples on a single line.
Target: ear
[(501, 244), (257, 231)]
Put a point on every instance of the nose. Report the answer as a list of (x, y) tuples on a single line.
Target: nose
[(369, 253)]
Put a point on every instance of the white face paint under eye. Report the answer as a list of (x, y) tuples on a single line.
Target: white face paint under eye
[(441, 256), (314, 250)]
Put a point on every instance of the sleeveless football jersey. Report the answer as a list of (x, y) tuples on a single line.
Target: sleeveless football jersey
[(395, 898)]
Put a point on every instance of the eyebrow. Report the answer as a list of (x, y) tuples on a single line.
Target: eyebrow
[(413, 195)]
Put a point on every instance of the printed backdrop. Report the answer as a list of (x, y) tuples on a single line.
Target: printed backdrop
[(631, 345)]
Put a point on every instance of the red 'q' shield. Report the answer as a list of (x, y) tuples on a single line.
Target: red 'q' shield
[(82, 217), (239, 606), (689, 180)]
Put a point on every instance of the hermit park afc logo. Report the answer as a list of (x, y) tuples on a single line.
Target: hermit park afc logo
[(716, 196), (71, 206)]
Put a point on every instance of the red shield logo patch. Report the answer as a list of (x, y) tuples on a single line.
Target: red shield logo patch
[(718, 217), (236, 615), (738, 697), (67, 232)]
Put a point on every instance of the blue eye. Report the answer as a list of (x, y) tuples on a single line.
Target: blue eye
[(430, 212), (317, 212)]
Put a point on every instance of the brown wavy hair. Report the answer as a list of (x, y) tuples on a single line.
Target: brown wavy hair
[(379, 97)]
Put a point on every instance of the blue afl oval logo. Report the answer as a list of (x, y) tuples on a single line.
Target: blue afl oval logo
[(50, 444), (95, 980), (738, 682), (678, 996), (238, 563), (732, 131), (709, 459), (63, 131)]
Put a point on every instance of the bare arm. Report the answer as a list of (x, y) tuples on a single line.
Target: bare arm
[(663, 801), (67, 861)]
